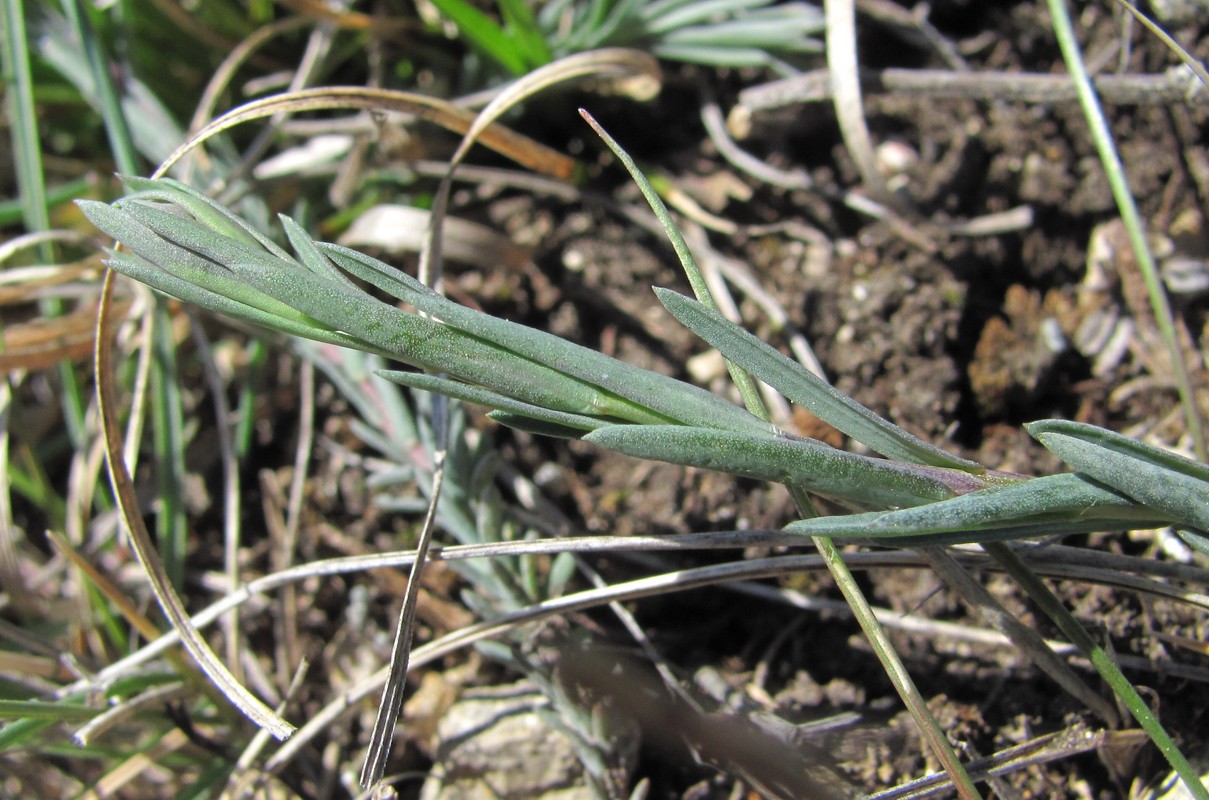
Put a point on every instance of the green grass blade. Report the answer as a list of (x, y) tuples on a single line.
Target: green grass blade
[(31, 185), (12, 212), (528, 37), (167, 412), (805, 463), (805, 388), (743, 381), (484, 34), (1171, 484), (55, 712), (22, 731), (23, 119), (121, 144)]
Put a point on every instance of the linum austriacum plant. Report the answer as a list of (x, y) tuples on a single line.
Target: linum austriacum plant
[(183, 244)]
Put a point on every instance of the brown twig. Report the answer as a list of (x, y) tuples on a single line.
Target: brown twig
[(1176, 85)]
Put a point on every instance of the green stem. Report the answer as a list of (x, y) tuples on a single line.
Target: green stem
[(1103, 663), (743, 380), (1102, 137), (896, 671)]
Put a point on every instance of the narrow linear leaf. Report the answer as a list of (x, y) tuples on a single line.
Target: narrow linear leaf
[(182, 273), (421, 342), (800, 462), (203, 209), (805, 388), (696, 279), (57, 712), (312, 257), (770, 34), (624, 391), (712, 55), (1171, 484), (145, 272), (663, 20), (485, 397), (1052, 505), (483, 33), (525, 31), (537, 427)]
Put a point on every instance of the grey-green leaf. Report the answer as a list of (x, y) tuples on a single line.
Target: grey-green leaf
[(805, 388), (1176, 486), (626, 391), (802, 462), (485, 397), (1052, 505)]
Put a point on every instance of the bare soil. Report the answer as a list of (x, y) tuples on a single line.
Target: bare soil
[(959, 339)]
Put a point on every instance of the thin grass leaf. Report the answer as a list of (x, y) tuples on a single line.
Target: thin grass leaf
[(22, 732), (1189, 60), (484, 397), (805, 388), (484, 34), (23, 119), (31, 184), (765, 34), (676, 16), (1051, 505), (537, 427), (806, 463), (55, 712), (623, 390), (1127, 206), (743, 381), (526, 34), (1171, 484), (121, 143), (12, 211)]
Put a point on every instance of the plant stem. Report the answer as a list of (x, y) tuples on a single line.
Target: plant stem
[(892, 664), (1103, 663), (1102, 137)]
